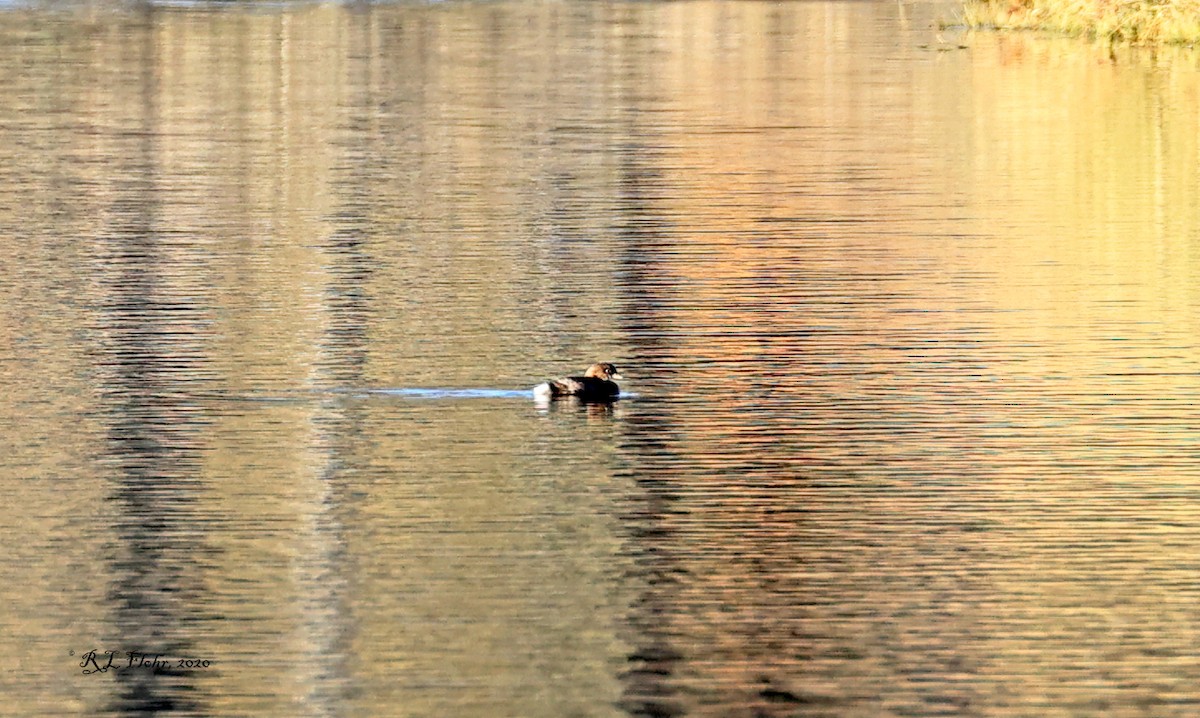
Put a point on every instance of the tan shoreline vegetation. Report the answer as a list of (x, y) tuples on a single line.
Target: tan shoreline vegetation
[(1148, 22)]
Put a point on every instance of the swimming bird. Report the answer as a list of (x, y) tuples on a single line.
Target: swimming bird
[(596, 384)]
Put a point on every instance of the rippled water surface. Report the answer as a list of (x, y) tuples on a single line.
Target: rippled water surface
[(911, 332)]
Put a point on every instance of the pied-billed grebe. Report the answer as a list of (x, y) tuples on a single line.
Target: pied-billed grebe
[(596, 384)]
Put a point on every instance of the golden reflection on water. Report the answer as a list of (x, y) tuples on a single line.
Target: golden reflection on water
[(912, 335)]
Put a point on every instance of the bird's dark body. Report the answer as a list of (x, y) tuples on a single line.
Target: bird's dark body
[(586, 388), (595, 385)]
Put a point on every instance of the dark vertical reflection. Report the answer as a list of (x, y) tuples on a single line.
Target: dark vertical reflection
[(151, 318), (713, 527), (648, 682), (347, 249)]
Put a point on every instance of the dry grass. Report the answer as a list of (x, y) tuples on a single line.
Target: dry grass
[(1175, 22)]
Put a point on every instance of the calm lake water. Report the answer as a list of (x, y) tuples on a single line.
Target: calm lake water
[(913, 333)]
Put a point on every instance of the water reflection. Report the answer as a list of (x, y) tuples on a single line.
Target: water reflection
[(909, 341), (152, 321)]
